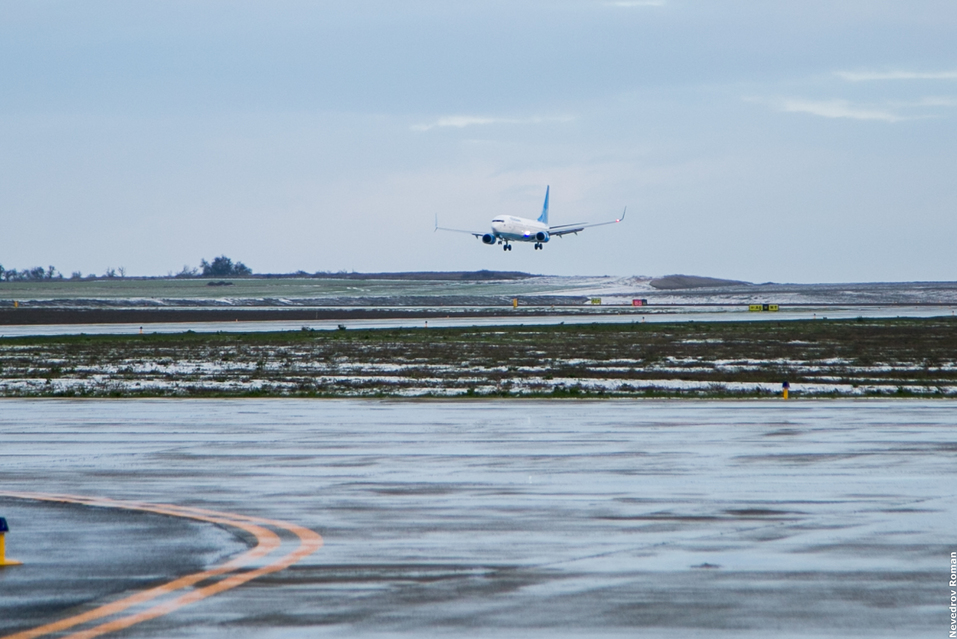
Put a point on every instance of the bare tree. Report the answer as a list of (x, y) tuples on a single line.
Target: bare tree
[(187, 272)]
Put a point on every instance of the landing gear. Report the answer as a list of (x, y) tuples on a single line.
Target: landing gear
[(506, 247), (538, 246)]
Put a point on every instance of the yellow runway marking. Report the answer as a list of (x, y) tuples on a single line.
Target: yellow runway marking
[(267, 542)]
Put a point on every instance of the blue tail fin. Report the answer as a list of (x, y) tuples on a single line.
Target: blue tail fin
[(543, 218)]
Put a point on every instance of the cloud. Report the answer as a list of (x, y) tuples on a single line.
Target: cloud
[(462, 121), (889, 111), (869, 76), (637, 3), (837, 109), (831, 109), (932, 101)]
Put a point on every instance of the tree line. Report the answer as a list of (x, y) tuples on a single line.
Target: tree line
[(34, 274), (221, 266)]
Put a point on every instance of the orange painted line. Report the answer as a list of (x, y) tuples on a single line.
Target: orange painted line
[(310, 542), (267, 541)]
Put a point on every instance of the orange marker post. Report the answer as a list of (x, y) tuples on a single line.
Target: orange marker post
[(785, 386)]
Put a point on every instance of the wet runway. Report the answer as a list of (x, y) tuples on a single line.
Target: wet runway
[(607, 315), (497, 519), (82, 556)]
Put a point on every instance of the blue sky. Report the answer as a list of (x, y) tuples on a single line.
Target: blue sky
[(786, 141)]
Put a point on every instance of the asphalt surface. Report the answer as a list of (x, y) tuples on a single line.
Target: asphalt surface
[(501, 518), (77, 556)]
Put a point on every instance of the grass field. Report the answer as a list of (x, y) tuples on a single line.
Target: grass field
[(252, 289), (822, 358)]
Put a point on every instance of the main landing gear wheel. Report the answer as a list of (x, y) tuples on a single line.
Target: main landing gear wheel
[(507, 247), (538, 246)]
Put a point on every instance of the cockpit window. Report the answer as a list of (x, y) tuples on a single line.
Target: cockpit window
[(499, 219)]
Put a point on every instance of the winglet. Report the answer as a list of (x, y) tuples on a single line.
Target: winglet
[(436, 222), (619, 219), (543, 218)]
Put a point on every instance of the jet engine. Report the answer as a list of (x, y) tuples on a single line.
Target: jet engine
[(541, 236), (488, 238)]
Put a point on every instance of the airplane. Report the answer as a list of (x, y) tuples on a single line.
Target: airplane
[(507, 229)]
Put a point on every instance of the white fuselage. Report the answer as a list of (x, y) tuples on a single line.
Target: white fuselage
[(519, 229)]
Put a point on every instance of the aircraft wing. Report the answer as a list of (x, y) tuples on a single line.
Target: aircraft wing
[(565, 229), (443, 228)]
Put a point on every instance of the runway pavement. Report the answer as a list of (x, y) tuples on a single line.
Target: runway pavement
[(494, 519)]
